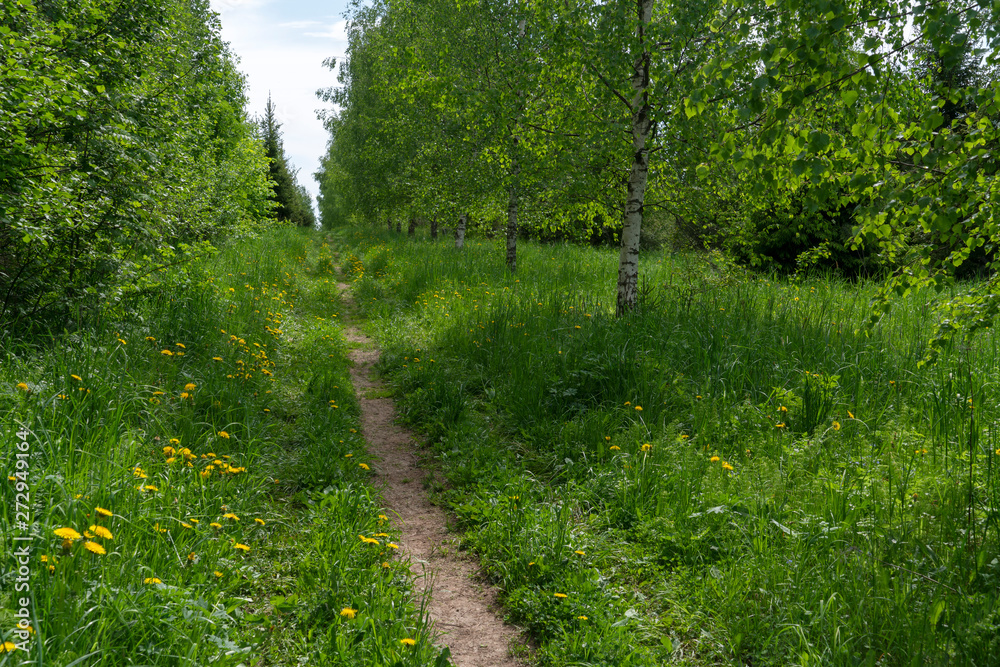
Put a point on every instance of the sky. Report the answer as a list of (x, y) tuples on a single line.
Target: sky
[(281, 46)]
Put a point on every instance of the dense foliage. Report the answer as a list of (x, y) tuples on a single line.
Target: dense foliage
[(124, 146), (856, 135)]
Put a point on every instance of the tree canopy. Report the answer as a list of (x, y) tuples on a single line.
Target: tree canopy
[(862, 127), (124, 145)]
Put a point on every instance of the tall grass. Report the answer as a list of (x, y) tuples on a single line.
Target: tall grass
[(753, 476), (197, 450)]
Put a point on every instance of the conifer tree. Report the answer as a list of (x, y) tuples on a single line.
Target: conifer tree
[(293, 200)]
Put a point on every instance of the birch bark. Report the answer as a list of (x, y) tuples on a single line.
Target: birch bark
[(460, 231), (628, 261)]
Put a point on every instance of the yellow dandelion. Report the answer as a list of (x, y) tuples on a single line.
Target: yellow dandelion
[(347, 612), (646, 447), (836, 426), (152, 580), (223, 434), (192, 556), (205, 474), (216, 358), (408, 642), (167, 353), (184, 394), (628, 403), (579, 552), (581, 618), (186, 525), (11, 478), (94, 548), (150, 339), (259, 520), (181, 345), (850, 414), (67, 533), (103, 512), (560, 595), (241, 547), (391, 545), (638, 408), (230, 515), (190, 386), (215, 525), (715, 459), (218, 574), (726, 466), (364, 466), (8, 647), (101, 532), (615, 448), (780, 425), (77, 378), (22, 386)]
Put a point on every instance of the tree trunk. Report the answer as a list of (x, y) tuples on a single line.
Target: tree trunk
[(628, 261), (399, 226), (515, 172), (512, 218), (388, 221), (413, 227), (434, 228), (460, 230)]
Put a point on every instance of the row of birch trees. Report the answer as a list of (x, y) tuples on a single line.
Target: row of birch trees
[(571, 115)]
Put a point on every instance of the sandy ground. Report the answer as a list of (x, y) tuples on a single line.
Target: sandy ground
[(464, 612)]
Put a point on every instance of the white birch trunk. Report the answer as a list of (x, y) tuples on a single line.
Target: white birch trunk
[(515, 172), (460, 231), (512, 217), (628, 261)]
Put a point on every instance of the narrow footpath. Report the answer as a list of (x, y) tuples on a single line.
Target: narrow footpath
[(463, 611)]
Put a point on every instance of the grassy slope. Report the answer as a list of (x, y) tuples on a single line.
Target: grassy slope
[(251, 520), (736, 474)]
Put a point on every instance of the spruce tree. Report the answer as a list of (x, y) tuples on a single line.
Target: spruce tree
[(293, 201)]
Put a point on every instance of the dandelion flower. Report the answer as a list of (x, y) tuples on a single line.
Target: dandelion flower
[(94, 548), (216, 358), (646, 447), (780, 425), (726, 466), (241, 547), (836, 426), (77, 378), (181, 345), (186, 525), (850, 414), (560, 595), (11, 478), (715, 459), (628, 403), (166, 353), (581, 618), (391, 545), (101, 532), (408, 642), (223, 434), (347, 612), (184, 394), (615, 448), (22, 386), (150, 339), (364, 466), (218, 574), (230, 515), (638, 408), (103, 512), (152, 580), (215, 525), (579, 552), (8, 647), (67, 533), (259, 520), (190, 386)]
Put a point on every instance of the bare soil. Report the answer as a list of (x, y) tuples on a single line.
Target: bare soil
[(462, 608)]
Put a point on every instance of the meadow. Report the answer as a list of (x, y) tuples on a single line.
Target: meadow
[(740, 472), (195, 478)]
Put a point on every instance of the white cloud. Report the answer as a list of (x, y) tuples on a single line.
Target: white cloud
[(280, 59), (336, 31), (299, 24)]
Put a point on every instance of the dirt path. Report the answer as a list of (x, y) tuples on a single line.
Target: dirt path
[(464, 612)]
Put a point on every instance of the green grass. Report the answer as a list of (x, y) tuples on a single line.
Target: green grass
[(212, 420), (738, 473)]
